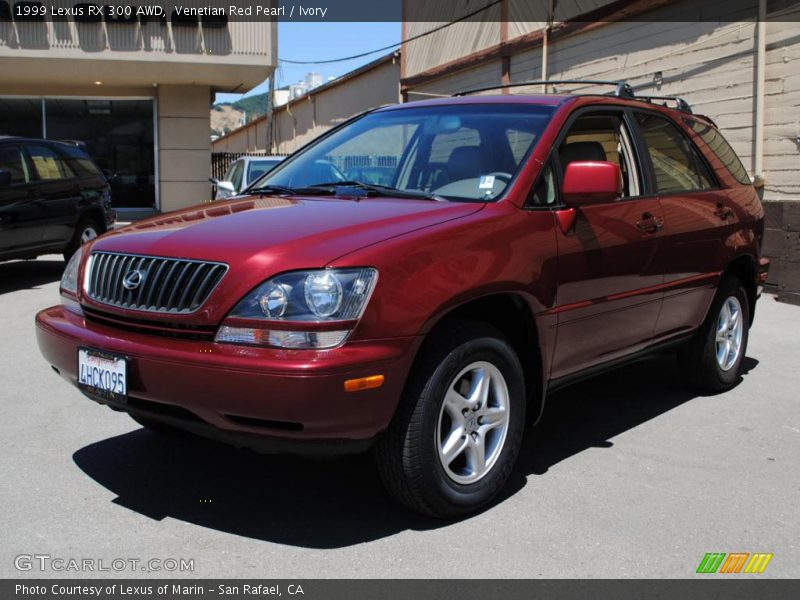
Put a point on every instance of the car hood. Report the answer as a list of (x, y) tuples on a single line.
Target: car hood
[(259, 236)]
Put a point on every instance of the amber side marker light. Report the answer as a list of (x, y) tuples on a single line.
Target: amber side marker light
[(363, 383)]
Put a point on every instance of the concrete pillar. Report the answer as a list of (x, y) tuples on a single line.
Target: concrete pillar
[(184, 159)]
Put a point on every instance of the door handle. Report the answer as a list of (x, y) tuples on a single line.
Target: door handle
[(723, 212), (649, 223)]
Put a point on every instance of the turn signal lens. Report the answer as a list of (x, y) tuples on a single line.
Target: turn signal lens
[(279, 338), (363, 383)]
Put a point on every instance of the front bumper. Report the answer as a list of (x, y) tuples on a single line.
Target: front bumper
[(267, 399)]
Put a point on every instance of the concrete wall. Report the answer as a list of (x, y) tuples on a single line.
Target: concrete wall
[(303, 119), (177, 65)]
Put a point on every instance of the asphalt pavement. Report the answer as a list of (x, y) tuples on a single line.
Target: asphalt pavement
[(631, 474)]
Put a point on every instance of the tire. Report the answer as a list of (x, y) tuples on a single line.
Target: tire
[(408, 455), (706, 362), (156, 426), (87, 229)]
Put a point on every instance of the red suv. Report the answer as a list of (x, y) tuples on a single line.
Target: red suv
[(523, 243)]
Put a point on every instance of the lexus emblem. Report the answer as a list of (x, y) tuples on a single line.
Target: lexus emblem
[(133, 280)]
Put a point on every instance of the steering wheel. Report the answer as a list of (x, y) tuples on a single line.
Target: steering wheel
[(502, 175)]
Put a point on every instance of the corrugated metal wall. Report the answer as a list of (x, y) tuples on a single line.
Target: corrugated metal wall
[(711, 64), (302, 120)]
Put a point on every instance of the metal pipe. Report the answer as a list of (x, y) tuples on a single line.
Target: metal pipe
[(545, 41), (761, 67)]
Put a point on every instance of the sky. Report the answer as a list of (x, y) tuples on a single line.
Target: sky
[(324, 41)]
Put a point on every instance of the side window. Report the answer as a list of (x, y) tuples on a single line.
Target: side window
[(676, 163), (720, 146), (48, 164), (81, 162), (545, 192), (12, 160), (235, 175), (602, 137)]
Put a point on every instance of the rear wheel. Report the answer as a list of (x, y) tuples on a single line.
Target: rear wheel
[(457, 433), (86, 231), (714, 357)]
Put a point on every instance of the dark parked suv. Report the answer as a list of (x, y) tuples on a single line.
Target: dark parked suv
[(53, 198), (523, 242)]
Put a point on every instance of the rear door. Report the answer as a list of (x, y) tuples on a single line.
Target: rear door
[(699, 219), (59, 193), (20, 227), (609, 269)]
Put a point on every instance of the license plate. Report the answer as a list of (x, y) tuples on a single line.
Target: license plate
[(103, 374)]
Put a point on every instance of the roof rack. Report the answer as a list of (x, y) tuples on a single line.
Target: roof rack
[(621, 89), (680, 103)]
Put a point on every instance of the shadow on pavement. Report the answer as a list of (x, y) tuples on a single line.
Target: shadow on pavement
[(28, 274), (340, 502)]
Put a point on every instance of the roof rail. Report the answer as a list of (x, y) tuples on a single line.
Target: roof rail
[(621, 88), (681, 104)]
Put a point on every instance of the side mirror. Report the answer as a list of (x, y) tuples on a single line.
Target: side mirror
[(225, 189), (591, 182), (5, 178)]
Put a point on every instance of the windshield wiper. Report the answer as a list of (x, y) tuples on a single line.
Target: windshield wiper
[(272, 189), (382, 190)]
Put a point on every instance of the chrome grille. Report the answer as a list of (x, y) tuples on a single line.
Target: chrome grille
[(167, 285)]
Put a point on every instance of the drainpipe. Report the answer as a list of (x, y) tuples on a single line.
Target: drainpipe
[(545, 41), (761, 67)]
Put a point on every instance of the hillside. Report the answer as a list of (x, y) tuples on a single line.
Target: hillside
[(226, 116)]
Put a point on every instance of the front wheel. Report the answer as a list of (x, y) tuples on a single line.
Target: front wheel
[(713, 359), (457, 433)]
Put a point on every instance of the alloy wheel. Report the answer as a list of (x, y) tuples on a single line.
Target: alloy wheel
[(729, 333), (473, 422), (88, 234)]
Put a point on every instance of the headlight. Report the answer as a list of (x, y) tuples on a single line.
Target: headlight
[(69, 280), (321, 297)]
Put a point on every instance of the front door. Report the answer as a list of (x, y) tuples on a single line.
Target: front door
[(609, 265), (20, 227)]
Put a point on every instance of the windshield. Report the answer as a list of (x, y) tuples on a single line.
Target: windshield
[(258, 167), (463, 152)]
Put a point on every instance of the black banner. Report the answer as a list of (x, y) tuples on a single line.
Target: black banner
[(217, 13), (343, 589)]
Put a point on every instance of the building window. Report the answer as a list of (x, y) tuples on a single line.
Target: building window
[(21, 116), (118, 134)]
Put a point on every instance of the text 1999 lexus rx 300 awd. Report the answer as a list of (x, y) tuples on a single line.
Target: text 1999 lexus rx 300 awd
[(523, 242)]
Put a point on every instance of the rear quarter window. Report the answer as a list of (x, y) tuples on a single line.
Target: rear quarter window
[(80, 161), (720, 146)]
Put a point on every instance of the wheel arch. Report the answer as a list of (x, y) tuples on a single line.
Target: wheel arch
[(96, 214), (504, 311), (744, 268)]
